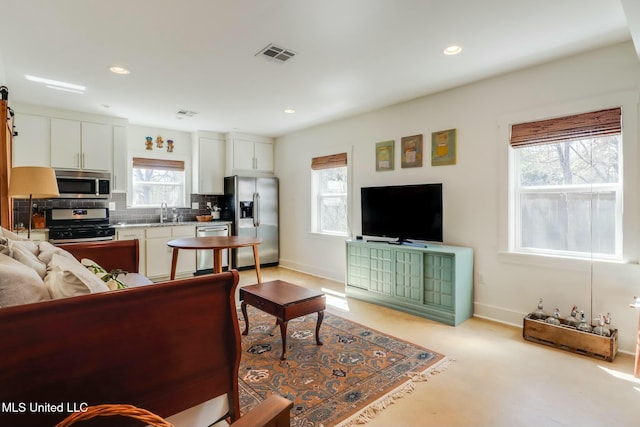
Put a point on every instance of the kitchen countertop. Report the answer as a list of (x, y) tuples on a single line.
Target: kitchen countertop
[(168, 224)]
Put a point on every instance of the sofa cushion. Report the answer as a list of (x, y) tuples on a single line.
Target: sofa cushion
[(66, 277), (47, 250), (19, 284)]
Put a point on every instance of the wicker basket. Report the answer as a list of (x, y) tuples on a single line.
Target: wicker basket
[(130, 411)]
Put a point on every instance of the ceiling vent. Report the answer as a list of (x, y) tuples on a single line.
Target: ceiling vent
[(185, 113), (276, 53)]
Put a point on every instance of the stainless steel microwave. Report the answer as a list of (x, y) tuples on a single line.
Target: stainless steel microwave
[(79, 184)]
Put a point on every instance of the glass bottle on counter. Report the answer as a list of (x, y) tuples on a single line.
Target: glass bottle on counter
[(555, 319), (583, 325), (539, 313), (601, 329), (572, 319)]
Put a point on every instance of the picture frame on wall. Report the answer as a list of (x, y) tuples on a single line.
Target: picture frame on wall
[(443, 147), (411, 151), (384, 155)]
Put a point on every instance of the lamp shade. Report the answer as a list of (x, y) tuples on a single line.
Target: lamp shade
[(33, 182)]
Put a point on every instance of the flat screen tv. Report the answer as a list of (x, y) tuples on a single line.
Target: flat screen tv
[(403, 212)]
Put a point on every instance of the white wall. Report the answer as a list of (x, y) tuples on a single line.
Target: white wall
[(475, 203)]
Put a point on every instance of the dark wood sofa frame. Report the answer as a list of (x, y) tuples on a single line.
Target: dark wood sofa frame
[(165, 347)]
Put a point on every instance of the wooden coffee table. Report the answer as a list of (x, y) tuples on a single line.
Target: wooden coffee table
[(285, 301)]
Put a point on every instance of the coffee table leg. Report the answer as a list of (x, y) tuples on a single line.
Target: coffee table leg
[(283, 333), (243, 306), (318, 323)]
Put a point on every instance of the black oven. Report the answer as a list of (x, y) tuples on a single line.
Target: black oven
[(79, 225), (78, 184)]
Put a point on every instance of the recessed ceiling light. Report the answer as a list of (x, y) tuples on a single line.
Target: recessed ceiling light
[(119, 70), (55, 84), (289, 111), (452, 50)]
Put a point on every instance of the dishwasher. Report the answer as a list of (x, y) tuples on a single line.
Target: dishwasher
[(204, 257)]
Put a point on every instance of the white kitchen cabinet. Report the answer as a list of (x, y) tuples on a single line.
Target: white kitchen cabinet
[(119, 176), (131, 234), (158, 255), (97, 146), (65, 144), (249, 155), (32, 146), (80, 145), (211, 166)]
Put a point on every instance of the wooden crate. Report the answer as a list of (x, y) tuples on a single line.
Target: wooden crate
[(571, 339)]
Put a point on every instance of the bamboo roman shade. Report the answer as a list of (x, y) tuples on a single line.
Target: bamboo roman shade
[(585, 125), (142, 163), (327, 162)]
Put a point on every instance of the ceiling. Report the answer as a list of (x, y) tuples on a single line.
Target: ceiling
[(351, 56)]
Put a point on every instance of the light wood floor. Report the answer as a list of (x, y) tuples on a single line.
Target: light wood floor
[(497, 378)]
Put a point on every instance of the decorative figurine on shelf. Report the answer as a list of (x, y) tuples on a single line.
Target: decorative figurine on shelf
[(149, 143), (572, 320), (169, 145), (159, 141), (555, 319)]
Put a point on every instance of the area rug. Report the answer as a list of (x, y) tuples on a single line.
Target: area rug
[(357, 372)]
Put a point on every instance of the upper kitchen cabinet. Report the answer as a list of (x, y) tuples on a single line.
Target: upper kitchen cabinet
[(209, 165), (81, 145), (119, 176), (248, 155), (32, 146)]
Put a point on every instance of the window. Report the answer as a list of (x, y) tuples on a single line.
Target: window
[(329, 194), (156, 181), (568, 185)]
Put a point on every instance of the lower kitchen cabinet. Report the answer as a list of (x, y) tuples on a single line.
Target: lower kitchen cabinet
[(435, 282), (131, 234), (155, 255), (159, 254)]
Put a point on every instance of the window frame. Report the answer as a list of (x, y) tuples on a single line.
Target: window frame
[(628, 101), (314, 198), (518, 190), (184, 203)]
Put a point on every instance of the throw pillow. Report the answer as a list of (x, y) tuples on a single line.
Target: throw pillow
[(10, 234), (107, 277), (66, 277), (25, 252), (19, 284)]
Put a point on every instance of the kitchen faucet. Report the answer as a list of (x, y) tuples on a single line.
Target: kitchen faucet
[(164, 212)]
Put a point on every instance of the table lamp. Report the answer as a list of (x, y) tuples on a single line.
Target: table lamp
[(32, 181)]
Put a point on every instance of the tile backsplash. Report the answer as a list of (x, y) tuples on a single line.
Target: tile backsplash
[(121, 213)]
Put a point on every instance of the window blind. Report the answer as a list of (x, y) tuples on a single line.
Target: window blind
[(578, 126), (327, 162), (141, 162)]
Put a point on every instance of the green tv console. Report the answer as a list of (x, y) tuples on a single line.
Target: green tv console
[(435, 282)]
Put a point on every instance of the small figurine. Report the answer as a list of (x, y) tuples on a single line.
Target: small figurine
[(159, 141), (169, 145), (149, 143)]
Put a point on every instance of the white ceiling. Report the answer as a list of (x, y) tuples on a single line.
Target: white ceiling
[(352, 56)]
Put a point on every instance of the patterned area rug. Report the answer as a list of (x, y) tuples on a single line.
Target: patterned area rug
[(357, 371)]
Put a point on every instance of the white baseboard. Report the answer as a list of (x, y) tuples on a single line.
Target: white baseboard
[(308, 269)]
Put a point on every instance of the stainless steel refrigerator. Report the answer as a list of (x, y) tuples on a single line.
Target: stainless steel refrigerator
[(252, 205)]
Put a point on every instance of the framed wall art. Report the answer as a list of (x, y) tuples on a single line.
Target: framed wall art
[(411, 151), (443, 147), (384, 155)]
